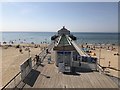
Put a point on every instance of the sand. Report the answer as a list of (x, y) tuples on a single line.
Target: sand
[(12, 58), (106, 56)]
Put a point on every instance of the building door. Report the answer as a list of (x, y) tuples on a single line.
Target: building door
[(67, 58)]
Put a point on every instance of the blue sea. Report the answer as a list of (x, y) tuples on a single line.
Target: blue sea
[(38, 37)]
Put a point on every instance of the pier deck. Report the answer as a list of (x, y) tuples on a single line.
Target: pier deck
[(59, 80)]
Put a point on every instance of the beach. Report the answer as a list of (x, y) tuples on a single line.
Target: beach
[(108, 57), (12, 59)]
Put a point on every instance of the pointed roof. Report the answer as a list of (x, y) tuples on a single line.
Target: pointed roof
[(63, 29)]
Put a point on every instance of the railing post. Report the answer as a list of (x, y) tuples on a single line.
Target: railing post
[(14, 82)]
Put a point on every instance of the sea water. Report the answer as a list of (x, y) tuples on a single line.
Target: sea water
[(41, 37)]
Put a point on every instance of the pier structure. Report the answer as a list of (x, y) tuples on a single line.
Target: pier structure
[(69, 67), (68, 55)]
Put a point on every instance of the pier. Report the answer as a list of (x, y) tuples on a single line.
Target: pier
[(49, 77), (49, 74)]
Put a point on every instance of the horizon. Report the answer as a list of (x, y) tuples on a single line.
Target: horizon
[(50, 32)]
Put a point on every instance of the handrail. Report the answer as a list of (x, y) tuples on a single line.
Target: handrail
[(113, 68), (75, 45), (109, 67), (11, 80), (49, 47), (80, 51)]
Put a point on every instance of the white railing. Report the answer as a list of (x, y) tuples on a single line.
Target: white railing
[(16, 80)]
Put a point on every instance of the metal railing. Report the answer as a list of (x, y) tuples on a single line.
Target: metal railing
[(101, 69), (13, 82), (16, 80)]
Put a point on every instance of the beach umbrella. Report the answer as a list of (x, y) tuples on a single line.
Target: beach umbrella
[(12, 42), (4, 42), (32, 42)]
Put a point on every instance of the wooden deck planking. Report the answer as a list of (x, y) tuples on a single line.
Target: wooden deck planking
[(60, 80), (85, 80), (92, 80), (101, 82), (109, 81), (76, 80), (79, 82)]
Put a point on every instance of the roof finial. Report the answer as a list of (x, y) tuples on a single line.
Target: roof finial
[(63, 27)]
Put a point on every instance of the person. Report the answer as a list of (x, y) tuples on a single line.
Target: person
[(20, 50), (47, 51), (29, 51), (49, 59), (37, 59), (109, 64)]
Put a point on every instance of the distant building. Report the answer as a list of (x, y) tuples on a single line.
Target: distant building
[(66, 56), (63, 31)]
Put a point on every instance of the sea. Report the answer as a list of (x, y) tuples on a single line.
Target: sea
[(42, 37)]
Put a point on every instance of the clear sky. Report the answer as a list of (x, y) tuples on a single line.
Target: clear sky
[(51, 16)]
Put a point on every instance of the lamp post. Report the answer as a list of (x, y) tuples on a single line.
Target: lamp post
[(99, 54), (29, 52), (46, 42)]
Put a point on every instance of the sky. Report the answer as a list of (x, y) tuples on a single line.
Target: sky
[(51, 16)]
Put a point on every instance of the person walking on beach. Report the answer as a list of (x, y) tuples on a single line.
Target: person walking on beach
[(20, 50), (109, 64), (47, 51), (29, 51)]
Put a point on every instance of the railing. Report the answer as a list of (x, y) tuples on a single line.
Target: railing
[(80, 51), (102, 69), (16, 80), (114, 78)]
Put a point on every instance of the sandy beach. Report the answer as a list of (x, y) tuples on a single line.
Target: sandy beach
[(108, 58), (12, 58)]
